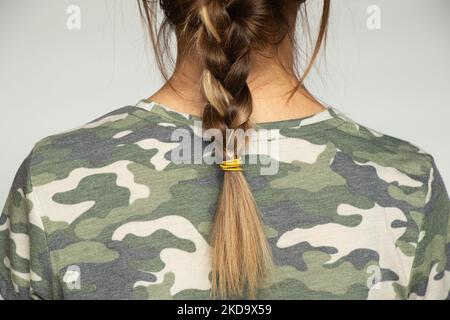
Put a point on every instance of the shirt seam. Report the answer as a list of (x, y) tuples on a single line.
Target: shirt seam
[(283, 138), (428, 187), (38, 211)]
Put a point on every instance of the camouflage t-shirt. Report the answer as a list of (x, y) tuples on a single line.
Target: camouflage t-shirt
[(104, 211)]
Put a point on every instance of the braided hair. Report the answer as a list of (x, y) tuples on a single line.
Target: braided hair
[(222, 34)]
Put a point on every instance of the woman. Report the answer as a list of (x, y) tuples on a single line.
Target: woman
[(123, 208)]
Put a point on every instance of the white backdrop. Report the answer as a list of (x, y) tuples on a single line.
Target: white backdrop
[(395, 80)]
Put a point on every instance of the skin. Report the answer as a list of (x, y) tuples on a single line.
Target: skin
[(271, 80)]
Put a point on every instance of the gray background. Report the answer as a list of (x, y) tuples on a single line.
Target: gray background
[(394, 80)]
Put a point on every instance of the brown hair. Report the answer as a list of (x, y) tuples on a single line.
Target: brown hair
[(222, 34)]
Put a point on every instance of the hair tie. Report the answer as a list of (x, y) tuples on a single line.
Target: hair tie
[(231, 165)]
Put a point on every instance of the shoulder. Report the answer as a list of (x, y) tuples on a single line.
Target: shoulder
[(88, 145), (97, 126), (88, 141), (372, 147), (120, 135)]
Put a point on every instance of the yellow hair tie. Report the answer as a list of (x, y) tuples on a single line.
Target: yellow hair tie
[(231, 165)]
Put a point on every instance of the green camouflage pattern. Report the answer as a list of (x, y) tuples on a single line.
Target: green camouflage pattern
[(102, 212)]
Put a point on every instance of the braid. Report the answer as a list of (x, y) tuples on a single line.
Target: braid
[(222, 34), (225, 48), (241, 254)]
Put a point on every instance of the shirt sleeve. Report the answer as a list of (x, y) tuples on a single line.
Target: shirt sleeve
[(430, 274), (25, 269)]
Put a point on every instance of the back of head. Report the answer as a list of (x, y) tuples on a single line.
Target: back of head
[(222, 35)]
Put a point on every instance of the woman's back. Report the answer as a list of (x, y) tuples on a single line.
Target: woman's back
[(108, 211)]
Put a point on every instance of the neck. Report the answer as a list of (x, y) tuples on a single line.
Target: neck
[(271, 81)]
